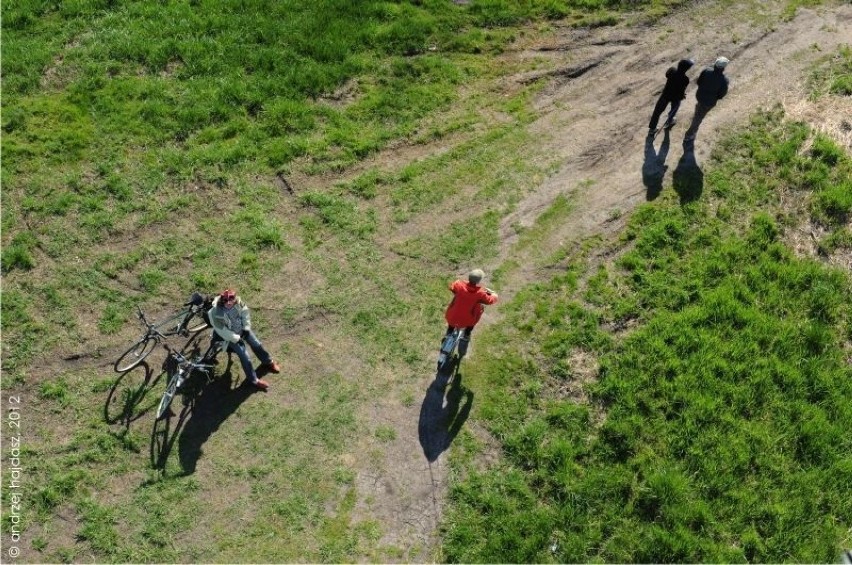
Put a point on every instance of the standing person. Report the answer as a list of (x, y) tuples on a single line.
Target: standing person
[(231, 321), (467, 305), (673, 92), (712, 87)]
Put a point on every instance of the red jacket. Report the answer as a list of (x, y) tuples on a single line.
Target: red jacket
[(467, 305)]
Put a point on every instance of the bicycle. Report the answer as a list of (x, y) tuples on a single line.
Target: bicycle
[(455, 340), (184, 368), (189, 320), (449, 345)]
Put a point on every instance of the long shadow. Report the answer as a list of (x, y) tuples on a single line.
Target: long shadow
[(205, 404), (654, 166), (215, 404), (688, 178), (441, 422), (127, 394)]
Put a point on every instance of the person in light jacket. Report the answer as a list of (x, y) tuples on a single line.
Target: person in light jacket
[(231, 320)]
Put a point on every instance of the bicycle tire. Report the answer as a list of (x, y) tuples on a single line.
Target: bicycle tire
[(195, 322), (168, 395), (448, 348), (174, 324), (135, 354)]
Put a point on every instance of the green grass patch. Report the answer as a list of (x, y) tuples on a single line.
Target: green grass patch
[(715, 430), (461, 243), (834, 76)]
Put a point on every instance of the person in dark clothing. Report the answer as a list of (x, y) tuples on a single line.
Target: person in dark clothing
[(712, 87), (673, 93)]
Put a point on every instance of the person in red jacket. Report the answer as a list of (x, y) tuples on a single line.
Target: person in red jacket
[(467, 305)]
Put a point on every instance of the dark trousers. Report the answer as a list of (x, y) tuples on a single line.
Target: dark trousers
[(700, 112), (662, 102), (240, 349), (466, 331)]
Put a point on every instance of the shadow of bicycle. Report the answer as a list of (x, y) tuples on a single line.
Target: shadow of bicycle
[(162, 436), (442, 417), (126, 401), (206, 405)]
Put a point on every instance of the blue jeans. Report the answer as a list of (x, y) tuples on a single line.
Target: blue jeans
[(240, 349)]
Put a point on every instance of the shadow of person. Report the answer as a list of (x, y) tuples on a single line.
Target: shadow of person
[(654, 165), (688, 178), (215, 404), (196, 388), (441, 422), (127, 394)]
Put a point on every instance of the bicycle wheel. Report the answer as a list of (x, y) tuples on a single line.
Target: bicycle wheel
[(447, 349), (195, 322), (133, 356), (168, 395), (215, 347), (174, 324)]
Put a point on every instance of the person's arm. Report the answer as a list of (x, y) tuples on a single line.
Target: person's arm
[(723, 90), (684, 86), (245, 315), (223, 332), (489, 297)]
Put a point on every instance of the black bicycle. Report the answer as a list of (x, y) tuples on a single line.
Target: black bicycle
[(181, 369), (185, 322), (448, 347)]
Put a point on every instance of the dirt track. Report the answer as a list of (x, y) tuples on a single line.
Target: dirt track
[(594, 116)]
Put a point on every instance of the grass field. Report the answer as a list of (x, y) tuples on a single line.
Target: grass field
[(682, 403), (715, 429)]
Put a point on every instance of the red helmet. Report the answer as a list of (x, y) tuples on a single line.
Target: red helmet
[(228, 295)]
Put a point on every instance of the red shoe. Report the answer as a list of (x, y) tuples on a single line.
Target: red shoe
[(261, 384), (273, 367)]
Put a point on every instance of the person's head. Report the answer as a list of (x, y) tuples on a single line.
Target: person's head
[(475, 276), (721, 63), (685, 64), (228, 298)]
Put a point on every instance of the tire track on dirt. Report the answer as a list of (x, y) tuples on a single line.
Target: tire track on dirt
[(606, 147)]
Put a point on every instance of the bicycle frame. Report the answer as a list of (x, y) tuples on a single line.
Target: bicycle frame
[(449, 346), (179, 323), (184, 369)]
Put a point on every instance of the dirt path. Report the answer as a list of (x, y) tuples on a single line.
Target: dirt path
[(594, 116), (599, 121)]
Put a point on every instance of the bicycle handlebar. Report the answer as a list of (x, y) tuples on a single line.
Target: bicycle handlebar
[(181, 358)]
